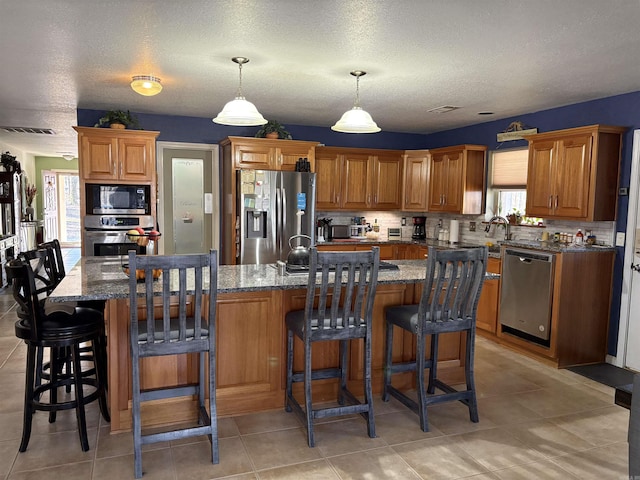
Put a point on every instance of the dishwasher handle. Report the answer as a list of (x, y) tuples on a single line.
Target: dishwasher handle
[(526, 256)]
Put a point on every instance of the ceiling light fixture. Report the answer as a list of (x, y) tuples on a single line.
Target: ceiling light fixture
[(68, 157), (146, 85), (356, 120), (239, 112)]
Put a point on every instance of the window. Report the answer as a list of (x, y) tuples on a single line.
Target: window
[(509, 181)]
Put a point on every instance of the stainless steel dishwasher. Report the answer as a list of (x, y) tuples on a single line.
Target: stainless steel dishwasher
[(526, 294)]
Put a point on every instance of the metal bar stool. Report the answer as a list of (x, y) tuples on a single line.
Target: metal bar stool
[(179, 331), (58, 331), (449, 302), (331, 320)]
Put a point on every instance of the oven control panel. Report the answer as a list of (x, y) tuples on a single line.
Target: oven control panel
[(117, 222)]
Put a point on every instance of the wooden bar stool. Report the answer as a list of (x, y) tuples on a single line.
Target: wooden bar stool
[(58, 331), (448, 303), (331, 320), (178, 331)]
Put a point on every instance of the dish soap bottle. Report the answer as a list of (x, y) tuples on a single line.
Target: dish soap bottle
[(376, 227), (579, 237)]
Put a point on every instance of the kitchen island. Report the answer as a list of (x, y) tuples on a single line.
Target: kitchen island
[(252, 301)]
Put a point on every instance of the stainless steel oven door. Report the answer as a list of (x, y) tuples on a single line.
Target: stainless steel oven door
[(100, 243)]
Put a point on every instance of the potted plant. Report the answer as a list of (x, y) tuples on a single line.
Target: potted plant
[(273, 129), (514, 217), (118, 119)]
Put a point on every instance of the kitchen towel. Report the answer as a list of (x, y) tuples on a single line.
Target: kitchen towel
[(454, 231)]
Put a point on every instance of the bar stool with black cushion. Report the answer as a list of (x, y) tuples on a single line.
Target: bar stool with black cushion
[(331, 320), (449, 302), (188, 327), (56, 331)]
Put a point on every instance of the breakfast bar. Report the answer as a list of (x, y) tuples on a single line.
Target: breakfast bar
[(252, 301)]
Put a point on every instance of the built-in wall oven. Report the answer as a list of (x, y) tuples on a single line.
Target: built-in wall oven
[(107, 234)]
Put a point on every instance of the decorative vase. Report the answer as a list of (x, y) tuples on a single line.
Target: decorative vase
[(272, 135), (118, 126), (29, 213)]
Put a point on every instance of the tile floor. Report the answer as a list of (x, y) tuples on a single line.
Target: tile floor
[(536, 422)]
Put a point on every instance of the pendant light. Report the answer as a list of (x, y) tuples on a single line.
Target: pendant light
[(240, 112), (146, 85), (356, 120)]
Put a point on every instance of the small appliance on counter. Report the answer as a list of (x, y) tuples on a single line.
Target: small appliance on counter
[(419, 228), (358, 231)]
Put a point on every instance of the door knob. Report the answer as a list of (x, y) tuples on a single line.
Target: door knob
[(635, 267)]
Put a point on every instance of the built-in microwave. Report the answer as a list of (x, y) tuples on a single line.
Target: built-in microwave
[(121, 199)]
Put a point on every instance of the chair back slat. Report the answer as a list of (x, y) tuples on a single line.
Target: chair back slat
[(22, 279), (183, 278), (452, 286), (57, 264), (354, 276)]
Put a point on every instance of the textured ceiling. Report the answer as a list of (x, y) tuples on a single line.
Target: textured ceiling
[(505, 56)]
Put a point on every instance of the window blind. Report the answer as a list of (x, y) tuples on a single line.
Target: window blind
[(509, 168)]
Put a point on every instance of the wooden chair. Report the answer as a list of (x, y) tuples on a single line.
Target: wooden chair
[(182, 280), (448, 303), (331, 320), (58, 331)]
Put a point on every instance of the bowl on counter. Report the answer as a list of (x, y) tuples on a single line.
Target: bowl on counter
[(140, 275)]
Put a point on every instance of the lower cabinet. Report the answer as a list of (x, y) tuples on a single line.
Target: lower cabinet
[(487, 316), (387, 251)]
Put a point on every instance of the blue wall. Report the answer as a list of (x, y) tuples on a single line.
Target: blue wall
[(622, 110)]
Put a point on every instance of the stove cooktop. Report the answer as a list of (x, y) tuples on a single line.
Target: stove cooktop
[(293, 269)]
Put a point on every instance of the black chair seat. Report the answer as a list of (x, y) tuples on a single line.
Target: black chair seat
[(61, 326), (296, 322)]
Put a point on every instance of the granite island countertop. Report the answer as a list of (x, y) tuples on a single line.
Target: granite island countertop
[(102, 278)]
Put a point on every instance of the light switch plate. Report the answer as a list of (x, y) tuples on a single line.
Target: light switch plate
[(619, 239), (208, 203)]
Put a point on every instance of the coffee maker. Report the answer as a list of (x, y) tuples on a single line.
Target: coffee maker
[(419, 228)]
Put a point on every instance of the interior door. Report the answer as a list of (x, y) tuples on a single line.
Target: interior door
[(188, 214), (50, 205)]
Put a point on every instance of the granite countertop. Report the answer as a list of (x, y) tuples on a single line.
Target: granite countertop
[(102, 278)]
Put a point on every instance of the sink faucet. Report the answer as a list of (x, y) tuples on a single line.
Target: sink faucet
[(498, 219)]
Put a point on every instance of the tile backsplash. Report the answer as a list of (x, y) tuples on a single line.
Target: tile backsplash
[(604, 231)]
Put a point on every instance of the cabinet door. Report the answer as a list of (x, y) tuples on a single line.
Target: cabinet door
[(539, 195), (437, 176), (288, 155), (99, 157), (136, 161), (356, 182), (387, 182), (487, 315), (572, 177), (254, 156), (328, 181), (387, 252), (415, 183), (453, 181)]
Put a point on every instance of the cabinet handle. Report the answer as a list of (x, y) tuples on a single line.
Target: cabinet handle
[(120, 170), (280, 159), (556, 207), (369, 199), (550, 201)]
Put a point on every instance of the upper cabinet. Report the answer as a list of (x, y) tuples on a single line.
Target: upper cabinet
[(267, 154), (573, 173), (416, 171), (358, 179), (457, 179), (113, 155)]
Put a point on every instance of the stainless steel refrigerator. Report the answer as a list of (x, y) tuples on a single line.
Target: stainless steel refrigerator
[(272, 207)]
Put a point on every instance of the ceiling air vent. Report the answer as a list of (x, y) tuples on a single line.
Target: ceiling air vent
[(38, 131), (443, 109)]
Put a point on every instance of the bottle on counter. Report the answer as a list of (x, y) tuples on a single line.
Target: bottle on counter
[(579, 237), (376, 227)]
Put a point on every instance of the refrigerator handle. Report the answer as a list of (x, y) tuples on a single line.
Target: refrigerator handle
[(283, 223), (278, 217)]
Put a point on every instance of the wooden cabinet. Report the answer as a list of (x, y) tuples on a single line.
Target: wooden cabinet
[(110, 155), (487, 315), (456, 179), (416, 179), (573, 173), (388, 251), (267, 154), (358, 179)]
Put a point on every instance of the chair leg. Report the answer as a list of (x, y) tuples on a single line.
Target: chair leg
[(433, 369), (28, 396), (80, 415), (307, 393), (65, 352), (54, 372), (468, 370), (422, 394), (99, 360), (135, 416), (388, 363), (343, 371), (289, 387), (368, 391), (213, 411)]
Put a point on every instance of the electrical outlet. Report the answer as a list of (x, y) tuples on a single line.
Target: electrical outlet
[(472, 226), (619, 239), (404, 221)]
